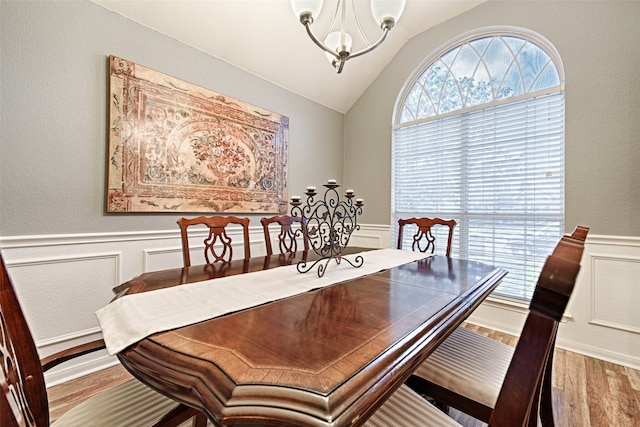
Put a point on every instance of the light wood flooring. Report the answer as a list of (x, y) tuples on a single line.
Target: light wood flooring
[(587, 391)]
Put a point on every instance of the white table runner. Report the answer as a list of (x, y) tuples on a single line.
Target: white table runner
[(131, 318)]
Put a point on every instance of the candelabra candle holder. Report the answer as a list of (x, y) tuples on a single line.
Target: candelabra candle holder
[(328, 224)]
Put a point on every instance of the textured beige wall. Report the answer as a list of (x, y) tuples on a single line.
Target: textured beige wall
[(597, 41), (53, 115)]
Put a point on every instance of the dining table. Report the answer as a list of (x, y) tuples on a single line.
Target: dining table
[(327, 354)]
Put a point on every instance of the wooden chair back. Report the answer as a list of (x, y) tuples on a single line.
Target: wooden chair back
[(23, 394), (217, 245), (287, 242), (423, 239), (519, 395), (572, 249)]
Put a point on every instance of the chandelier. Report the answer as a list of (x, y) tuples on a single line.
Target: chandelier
[(337, 42)]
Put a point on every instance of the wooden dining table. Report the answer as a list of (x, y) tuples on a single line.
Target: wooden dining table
[(326, 357)]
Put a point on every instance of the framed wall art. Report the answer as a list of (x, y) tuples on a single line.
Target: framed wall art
[(177, 147)]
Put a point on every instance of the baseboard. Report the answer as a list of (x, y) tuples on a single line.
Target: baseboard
[(600, 353), (80, 366), (78, 370)]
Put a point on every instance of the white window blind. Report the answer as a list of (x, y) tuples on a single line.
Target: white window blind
[(499, 172)]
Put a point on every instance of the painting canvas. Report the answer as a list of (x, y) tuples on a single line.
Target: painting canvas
[(178, 147)]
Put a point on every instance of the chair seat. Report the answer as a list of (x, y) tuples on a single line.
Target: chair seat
[(407, 408), (469, 364), (133, 404), (130, 404)]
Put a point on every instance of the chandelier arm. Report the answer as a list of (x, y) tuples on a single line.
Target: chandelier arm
[(333, 21), (319, 43), (355, 17), (373, 46)]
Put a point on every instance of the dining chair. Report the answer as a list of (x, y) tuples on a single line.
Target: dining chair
[(287, 242), (217, 245), (423, 239), (468, 369), (518, 393), (23, 393)]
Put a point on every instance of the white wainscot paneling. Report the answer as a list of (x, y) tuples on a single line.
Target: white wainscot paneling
[(60, 295), (604, 323), (602, 319), (162, 258), (616, 292), (62, 280), (371, 236)]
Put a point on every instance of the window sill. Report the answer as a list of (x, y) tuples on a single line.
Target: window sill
[(512, 304), (518, 306)]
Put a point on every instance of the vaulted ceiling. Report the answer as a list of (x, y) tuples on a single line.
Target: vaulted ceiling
[(264, 38)]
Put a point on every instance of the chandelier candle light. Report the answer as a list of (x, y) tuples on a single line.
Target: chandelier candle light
[(329, 223), (337, 42)]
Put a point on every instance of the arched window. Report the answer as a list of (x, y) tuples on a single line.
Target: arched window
[(479, 137)]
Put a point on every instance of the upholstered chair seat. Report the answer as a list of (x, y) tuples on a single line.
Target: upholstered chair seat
[(469, 364), (130, 404), (133, 404), (407, 408)]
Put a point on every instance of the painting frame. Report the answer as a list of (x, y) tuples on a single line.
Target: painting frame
[(177, 147)]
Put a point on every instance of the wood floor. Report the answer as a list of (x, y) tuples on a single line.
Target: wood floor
[(587, 392)]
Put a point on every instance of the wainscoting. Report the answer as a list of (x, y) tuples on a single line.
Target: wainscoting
[(603, 318), (62, 280)]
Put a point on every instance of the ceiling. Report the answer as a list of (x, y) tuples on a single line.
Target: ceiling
[(264, 38)]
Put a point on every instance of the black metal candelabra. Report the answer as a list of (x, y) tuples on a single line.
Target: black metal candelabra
[(327, 225)]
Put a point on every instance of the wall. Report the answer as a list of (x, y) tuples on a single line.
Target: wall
[(64, 252), (597, 42), (53, 114)]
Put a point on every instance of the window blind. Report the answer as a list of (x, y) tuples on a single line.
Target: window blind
[(499, 172)]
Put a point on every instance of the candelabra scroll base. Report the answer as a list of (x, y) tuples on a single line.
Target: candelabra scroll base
[(322, 263), (328, 225)]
